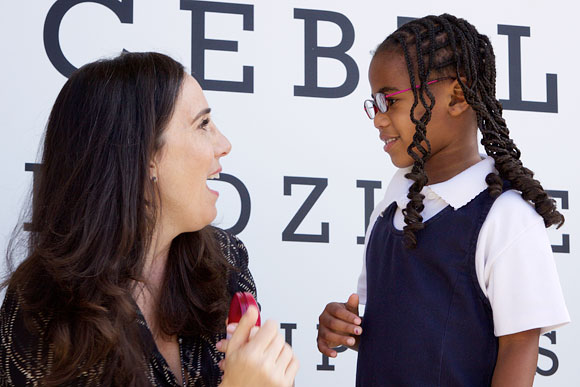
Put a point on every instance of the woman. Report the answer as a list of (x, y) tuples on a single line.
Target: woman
[(125, 283)]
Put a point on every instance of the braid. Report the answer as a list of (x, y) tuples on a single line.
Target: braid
[(451, 46)]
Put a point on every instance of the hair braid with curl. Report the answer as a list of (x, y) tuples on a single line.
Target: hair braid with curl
[(450, 46)]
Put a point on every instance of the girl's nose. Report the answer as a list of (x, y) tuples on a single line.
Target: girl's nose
[(381, 120)]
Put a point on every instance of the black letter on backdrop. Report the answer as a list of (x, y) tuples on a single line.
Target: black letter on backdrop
[(246, 205), (199, 43), (312, 52), (550, 354), (288, 330), (123, 9), (403, 20), (326, 366), (31, 167), (369, 187), (289, 233), (515, 102), (565, 246)]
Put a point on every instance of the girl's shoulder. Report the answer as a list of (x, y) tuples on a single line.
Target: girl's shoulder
[(511, 207)]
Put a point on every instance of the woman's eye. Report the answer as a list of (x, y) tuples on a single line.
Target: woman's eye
[(391, 101), (204, 124)]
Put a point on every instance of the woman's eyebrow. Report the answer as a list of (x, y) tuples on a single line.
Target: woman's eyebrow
[(201, 113)]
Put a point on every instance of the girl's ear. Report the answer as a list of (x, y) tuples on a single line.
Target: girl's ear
[(457, 102)]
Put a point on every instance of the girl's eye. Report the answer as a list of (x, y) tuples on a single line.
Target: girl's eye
[(204, 124), (391, 101)]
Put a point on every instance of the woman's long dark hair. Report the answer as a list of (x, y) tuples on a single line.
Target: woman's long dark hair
[(448, 46), (93, 214)]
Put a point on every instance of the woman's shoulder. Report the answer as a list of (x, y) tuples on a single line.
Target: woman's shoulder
[(235, 252), (232, 247), (23, 348)]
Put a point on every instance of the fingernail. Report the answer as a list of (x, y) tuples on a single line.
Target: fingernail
[(350, 341), (218, 345), (357, 321), (231, 327), (357, 331)]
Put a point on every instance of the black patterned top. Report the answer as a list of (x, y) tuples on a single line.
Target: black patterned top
[(22, 354)]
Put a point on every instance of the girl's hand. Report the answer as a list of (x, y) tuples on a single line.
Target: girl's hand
[(339, 324), (262, 359)]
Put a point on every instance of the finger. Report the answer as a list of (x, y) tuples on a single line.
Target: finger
[(325, 348), (340, 327), (335, 339), (242, 332), (291, 371), (285, 356), (222, 345), (339, 311), (276, 346), (254, 331), (231, 328), (222, 364), (264, 336), (352, 303)]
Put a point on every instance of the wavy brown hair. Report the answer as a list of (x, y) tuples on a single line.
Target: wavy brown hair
[(447, 46), (92, 226)]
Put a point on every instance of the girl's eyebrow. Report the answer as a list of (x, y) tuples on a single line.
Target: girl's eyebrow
[(387, 89)]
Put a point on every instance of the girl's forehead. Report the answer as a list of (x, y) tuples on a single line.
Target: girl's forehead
[(388, 69)]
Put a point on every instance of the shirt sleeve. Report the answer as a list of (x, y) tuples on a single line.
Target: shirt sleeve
[(519, 272)]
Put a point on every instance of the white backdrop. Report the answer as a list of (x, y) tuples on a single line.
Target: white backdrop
[(278, 135)]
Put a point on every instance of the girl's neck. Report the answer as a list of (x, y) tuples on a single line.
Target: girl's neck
[(450, 162)]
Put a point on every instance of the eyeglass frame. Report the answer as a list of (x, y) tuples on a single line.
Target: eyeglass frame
[(375, 104)]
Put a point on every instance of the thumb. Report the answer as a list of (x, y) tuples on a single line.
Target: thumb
[(352, 304), (242, 333)]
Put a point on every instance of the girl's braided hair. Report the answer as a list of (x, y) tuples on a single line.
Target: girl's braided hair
[(448, 46)]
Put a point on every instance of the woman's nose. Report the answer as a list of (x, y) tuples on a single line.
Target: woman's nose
[(223, 145)]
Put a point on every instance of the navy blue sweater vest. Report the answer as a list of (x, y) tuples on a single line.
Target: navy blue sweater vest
[(426, 320)]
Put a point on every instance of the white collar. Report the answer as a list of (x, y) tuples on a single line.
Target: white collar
[(457, 191)]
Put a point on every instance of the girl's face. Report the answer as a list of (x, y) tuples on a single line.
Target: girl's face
[(190, 154), (388, 74)]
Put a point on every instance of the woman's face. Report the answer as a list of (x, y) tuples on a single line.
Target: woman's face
[(189, 155)]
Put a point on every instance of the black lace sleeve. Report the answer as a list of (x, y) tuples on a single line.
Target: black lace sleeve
[(240, 279), (23, 354)]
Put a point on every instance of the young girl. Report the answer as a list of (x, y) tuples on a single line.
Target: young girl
[(458, 279)]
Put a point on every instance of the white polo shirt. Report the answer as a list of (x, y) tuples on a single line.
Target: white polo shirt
[(513, 259)]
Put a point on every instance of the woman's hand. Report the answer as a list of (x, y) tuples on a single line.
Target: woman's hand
[(339, 324), (259, 358)]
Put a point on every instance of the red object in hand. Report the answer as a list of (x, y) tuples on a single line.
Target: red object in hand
[(239, 305)]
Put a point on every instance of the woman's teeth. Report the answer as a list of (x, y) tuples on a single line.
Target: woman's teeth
[(390, 140), (215, 176)]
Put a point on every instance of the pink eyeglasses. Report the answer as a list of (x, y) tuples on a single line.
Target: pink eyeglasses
[(379, 103)]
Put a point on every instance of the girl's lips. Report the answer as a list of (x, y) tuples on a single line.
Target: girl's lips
[(390, 143)]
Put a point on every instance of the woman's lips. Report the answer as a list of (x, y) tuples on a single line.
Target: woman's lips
[(216, 193)]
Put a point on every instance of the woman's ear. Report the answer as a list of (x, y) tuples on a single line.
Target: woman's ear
[(153, 171), (457, 102)]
